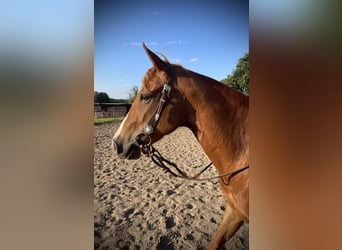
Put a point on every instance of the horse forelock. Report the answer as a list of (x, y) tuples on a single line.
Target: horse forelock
[(153, 79)]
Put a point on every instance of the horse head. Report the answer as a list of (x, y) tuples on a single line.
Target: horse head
[(155, 112)]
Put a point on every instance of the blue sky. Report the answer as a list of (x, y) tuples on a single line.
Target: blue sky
[(204, 36)]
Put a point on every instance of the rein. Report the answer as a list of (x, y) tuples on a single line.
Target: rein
[(160, 161), (148, 150)]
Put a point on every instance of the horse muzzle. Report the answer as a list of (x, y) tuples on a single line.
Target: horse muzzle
[(130, 151)]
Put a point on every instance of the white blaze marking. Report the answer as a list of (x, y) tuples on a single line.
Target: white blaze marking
[(118, 132)]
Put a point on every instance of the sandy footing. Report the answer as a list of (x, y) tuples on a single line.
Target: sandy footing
[(139, 206)]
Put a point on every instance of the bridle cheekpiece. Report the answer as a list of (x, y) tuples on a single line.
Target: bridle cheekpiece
[(149, 129), (145, 148)]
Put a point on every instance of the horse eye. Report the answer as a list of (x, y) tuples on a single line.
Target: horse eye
[(145, 98)]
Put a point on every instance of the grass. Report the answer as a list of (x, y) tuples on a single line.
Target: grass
[(104, 120)]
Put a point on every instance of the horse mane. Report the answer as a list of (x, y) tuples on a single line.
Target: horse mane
[(224, 90), (234, 95)]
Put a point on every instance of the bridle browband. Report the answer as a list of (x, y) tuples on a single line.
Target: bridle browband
[(148, 150)]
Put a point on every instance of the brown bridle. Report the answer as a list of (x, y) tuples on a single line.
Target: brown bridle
[(148, 150), (152, 123)]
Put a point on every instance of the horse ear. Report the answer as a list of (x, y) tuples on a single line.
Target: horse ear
[(156, 61)]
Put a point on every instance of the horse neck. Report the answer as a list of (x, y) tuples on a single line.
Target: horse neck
[(218, 117)]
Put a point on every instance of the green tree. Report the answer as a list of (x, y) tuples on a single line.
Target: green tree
[(132, 94), (239, 78), (101, 97), (112, 100)]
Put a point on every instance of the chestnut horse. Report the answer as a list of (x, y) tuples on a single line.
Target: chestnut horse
[(172, 96)]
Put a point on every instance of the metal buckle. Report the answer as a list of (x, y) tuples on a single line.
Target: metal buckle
[(167, 88), (148, 130)]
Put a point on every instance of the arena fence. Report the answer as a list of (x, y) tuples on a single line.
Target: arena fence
[(107, 110)]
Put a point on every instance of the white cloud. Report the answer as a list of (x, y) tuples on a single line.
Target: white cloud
[(176, 60), (134, 44), (172, 42), (151, 43), (140, 43), (176, 42), (194, 59)]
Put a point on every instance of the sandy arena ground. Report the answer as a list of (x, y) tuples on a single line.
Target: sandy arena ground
[(139, 206)]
